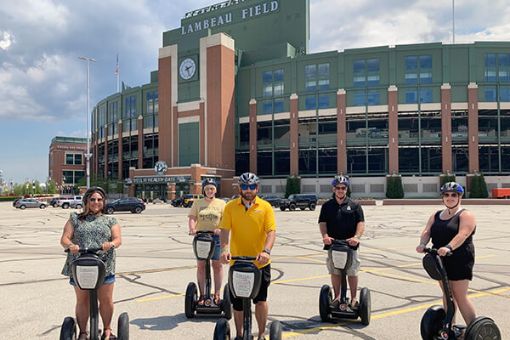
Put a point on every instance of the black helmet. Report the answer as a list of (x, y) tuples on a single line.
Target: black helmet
[(452, 187), (248, 178), (341, 180), (209, 181)]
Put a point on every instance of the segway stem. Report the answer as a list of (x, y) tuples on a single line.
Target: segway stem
[(94, 315), (246, 319)]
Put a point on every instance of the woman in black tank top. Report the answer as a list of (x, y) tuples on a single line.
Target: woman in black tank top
[(452, 230)]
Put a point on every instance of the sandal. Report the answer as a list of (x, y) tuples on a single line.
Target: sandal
[(201, 300), (217, 299), (335, 304), (354, 305), (83, 336), (110, 337)]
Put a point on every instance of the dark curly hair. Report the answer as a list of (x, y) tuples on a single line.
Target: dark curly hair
[(86, 197)]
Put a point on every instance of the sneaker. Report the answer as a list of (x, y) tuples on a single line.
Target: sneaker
[(335, 304)]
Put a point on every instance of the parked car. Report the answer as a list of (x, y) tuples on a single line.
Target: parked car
[(30, 203), (71, 202), (177, 202), (188, 199), (272, 199), (16, 201), (133, 204), (54, 200), (301, 201)]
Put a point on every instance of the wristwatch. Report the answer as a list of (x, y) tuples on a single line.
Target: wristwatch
[(267, 251), (112, 245), (449, 247)]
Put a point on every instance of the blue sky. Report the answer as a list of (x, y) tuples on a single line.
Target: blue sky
[(43, 83)]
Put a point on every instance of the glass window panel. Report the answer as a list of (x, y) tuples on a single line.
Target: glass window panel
[(278, 105), (377, 160), (278, 89), (323, 70), (267, 107), (244, 135), (311, 85), (356, 161), (460, 160), (307, 131), (505, 159), (504, 94), (310, 102), (373, 79), (278, 75), (358, 66), (281, 133), (359, 98), (267, 90), (310, 72), (264, 133), (282, 163), (307, 162), (425, 77), (490, 75), (411, 63), (78, 159), (411, 78), (324, 102), (431, 160), (264, 163), (373, 98), (489, 159), (489, 93), (242, 162), (324, 84), (327, 132), (267, 77), (327, 161), (425, 95), (373, 65), (359, 80), (408, 160), (425, 62), (410, 96), (490, 60)]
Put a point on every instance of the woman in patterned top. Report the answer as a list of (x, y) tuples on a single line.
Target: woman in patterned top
[(93, 229)]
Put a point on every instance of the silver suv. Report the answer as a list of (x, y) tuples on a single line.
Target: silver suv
[(71, 202)]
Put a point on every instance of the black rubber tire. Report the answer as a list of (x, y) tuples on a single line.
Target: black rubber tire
[(482, 328), (282, 208), (275, 330), (138, 210), (226, 305), (123, 327), (190, 300), (65, 206), (222, 330), (312, 206), (430, 324), (110, 211), (42, 206), (325, 299), (292, 207), (79, 206), (365, 306), (22, 207), (68, 329)]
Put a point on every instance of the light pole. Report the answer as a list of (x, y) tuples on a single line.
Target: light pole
[(87, 155)]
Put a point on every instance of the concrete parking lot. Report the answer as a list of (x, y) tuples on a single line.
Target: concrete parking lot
[(156, 263)]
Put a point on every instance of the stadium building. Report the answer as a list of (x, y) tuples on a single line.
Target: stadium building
[(237, 90)]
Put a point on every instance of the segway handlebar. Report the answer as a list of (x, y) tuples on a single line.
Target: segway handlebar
[(244, 258), (433, 251), (87, 250)]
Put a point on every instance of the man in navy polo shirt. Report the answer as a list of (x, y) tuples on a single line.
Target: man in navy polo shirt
[(342, 219)]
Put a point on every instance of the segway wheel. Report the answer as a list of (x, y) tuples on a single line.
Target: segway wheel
[(226, 306), (68, 329), (431, 322), (123, 327), (482, 328), (325, 299), (365, 306), (190, 300), (222, 330), (275, 331)]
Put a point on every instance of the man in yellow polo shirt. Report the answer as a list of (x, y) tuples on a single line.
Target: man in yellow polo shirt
[(248, 223)]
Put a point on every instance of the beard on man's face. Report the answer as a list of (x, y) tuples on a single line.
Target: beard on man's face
[(248, 194)]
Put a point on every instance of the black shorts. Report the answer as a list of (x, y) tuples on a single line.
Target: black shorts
[(261, 296), (459, 266)]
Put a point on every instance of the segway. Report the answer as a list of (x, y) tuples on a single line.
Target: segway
[(342, 257), (203, 247), (89, 272), (436, 323), (244, 279)]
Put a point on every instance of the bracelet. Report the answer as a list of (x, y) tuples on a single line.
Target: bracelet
[(449, 247), (112, 245), (267, 251)]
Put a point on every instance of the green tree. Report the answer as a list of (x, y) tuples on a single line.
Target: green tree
[(394, 187), (478, 187), (293, 186)]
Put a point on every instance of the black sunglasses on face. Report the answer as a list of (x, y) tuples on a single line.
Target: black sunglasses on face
[(453, 194), (340, 188), (248, 186)]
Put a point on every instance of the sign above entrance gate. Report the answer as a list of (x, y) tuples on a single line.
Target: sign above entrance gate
[(161, 179)]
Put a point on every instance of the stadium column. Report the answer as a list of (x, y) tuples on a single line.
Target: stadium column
[(474, 165), (219, 110), (393, 129), (119, 150), (167, 97), (105, 143), (294, 135), (253, 135), (140, 141), (341, 133), (446, 127)]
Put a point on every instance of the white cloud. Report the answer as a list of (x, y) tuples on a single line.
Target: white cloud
[(6, 40)]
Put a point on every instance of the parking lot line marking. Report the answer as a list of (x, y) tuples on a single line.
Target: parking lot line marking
[(295, 333), (161, 297)]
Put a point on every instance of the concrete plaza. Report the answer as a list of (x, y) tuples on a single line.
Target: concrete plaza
[(156, 262)]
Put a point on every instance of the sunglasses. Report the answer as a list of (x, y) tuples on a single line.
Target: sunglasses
[(93, 199), (453, 194), (341, 188), (248, 186)]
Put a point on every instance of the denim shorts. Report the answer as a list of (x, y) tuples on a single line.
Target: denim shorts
[(107, 280)]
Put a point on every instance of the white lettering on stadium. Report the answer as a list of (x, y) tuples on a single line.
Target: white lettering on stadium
[(212, 8), (226, 18)]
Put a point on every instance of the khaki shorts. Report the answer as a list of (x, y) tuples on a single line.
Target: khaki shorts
[(351, 271)]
